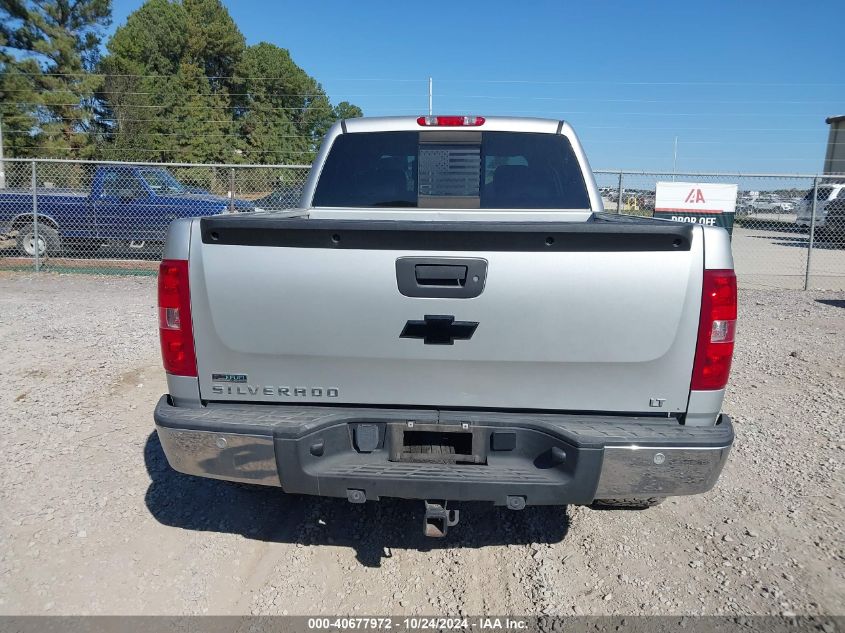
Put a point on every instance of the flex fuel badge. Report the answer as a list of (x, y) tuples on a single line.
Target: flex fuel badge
[(239, 378)]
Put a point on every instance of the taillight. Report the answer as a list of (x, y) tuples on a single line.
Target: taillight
[(716, 329), (451, 121), (174, 318)]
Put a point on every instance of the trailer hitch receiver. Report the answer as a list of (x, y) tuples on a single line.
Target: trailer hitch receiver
[(438, 519)]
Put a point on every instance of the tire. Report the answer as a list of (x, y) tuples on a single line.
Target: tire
[(626, 504), (49, 243), (827, 235)]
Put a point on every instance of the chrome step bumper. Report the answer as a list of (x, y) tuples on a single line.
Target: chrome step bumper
[(544, 458)]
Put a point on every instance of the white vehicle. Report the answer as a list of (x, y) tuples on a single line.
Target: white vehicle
[(770, 204), (824, 194)]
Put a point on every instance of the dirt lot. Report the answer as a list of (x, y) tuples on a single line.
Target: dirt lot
[(94, 521), (775, 256)]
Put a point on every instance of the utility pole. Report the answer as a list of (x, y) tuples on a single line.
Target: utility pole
[(2, 163), (675, 159), (430, 96)]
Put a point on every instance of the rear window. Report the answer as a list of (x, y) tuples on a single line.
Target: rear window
[(452, 169)]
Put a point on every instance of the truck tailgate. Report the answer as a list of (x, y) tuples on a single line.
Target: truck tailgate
[(594, 316)]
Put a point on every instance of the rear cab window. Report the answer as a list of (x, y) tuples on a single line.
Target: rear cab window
[(117, 182), (161, 181), (453, 170)]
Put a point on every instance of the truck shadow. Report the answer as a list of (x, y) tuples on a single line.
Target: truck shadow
[(750, 223), (834, 303), (373, 530), (804, 241)]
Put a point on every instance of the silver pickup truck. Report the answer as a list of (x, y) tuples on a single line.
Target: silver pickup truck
[(449, 316)]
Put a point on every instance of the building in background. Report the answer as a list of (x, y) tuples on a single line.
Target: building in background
[(834, 158)]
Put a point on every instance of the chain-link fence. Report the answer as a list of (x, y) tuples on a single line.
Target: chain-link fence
[(788, 231), (101, 217)]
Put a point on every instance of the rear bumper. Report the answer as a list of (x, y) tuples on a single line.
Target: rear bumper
[(547, 459)]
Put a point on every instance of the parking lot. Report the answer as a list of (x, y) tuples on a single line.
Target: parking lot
[(94, 520), (775, 256)]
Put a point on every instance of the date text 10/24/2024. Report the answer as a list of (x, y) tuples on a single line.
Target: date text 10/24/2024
[(418, 623)]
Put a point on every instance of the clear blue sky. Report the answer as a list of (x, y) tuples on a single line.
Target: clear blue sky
[(744, 85)]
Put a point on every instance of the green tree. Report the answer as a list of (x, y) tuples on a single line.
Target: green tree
[(19, 98), (167, 83), (271, 100), (49, 48), (346, 110), (214, 42), (178, 83), (152, 42), (141, 83), (285, 111), (205, 131)]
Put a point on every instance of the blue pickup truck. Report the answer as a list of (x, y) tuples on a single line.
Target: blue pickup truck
[(133, 204)]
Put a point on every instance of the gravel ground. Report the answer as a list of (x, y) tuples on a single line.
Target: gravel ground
[(94, 521)]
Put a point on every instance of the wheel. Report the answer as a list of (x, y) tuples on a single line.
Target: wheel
[(49, 242), (626, 504)]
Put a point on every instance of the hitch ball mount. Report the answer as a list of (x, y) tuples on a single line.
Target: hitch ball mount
[(438, 519)]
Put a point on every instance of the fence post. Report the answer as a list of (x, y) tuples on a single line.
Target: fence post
[(35, 221), (619, 195), (232, 190), (812, 233)]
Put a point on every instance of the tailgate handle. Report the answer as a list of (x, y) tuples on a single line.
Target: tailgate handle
[(440, 275)]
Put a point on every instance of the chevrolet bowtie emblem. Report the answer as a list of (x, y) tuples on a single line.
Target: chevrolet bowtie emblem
[(439, 329)]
